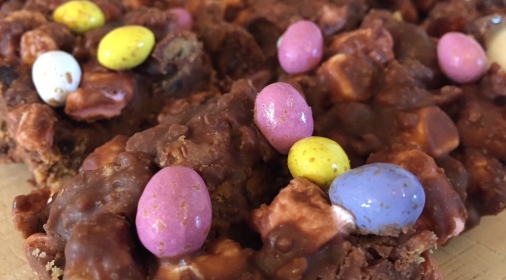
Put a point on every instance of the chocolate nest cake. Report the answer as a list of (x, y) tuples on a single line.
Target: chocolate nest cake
[(154, 106)]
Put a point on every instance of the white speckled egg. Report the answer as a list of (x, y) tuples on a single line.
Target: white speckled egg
[(55, 75)]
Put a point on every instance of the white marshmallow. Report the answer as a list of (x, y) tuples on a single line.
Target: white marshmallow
[(55, 75), (345, 220), (496, 45)]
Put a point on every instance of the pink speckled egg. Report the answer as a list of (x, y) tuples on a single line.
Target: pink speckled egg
[(174, 212), (184, 18), (300, 47), (461, 58), (283, 116)]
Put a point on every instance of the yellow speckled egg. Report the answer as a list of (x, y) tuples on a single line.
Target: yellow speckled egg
[(79, 16), (318, 159), (125, 47)]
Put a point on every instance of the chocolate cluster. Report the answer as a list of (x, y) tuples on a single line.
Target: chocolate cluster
[(379, 92)]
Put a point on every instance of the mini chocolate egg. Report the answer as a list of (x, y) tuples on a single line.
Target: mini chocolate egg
[(184, 18), (125, 47), (300, 48), (283, 116), (381, 196), (55, 75), (318, 159), (461, 58), (174, 213), (79, 16)]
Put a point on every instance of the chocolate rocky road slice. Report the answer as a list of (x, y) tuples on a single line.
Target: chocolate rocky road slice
[(381, 95), (411, 104), (217, 139), (302, 239), (90, 221), (53, 142)]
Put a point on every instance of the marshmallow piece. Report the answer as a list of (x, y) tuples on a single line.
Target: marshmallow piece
[(55, 75), (496, 44)]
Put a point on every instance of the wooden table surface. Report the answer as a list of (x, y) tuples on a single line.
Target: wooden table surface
[(479, 254)]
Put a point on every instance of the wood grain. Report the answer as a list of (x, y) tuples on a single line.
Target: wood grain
[(479, 254), (13, 265)]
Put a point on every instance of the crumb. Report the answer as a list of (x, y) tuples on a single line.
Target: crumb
[(397, 15), (49, 265), (36, 252), (56, 272)]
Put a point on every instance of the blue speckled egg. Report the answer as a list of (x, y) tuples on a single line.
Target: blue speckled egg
[(381, 196)]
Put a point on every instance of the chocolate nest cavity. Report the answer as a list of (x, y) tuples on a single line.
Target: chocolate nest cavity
[(379, 91)]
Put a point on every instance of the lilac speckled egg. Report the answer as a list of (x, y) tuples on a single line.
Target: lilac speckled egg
[(300, 48), (461, 58), (283, 116), (174, 212), (381, 196), (184, 18)]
